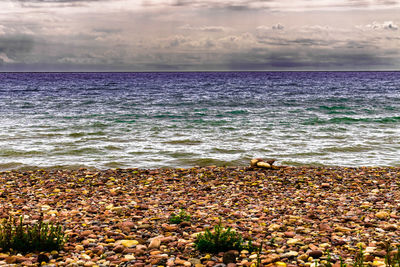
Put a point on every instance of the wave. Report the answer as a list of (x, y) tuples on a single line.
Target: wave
[(350, 120), (20, 153), (348, 149), (183, 142)]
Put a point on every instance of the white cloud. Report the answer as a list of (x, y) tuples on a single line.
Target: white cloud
[(5, 59), (386, 25)]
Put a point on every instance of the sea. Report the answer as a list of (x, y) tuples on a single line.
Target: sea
[(186, 119)]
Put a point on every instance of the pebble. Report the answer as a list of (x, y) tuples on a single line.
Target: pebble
[(382, 215), (316, 254), (112, 214), (128, 243), (154, 243)]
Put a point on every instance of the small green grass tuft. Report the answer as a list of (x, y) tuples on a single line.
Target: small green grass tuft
[(222, 239), (392, 259), (359, 258), (18, 236), (182, 216)]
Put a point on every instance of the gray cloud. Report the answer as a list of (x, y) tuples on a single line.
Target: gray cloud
[(188, 27), (240, 5), (58, 1), (309, 60), (216, 35), (15, 46)]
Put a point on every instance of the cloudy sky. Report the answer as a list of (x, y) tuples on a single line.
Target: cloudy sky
[(183, 35)]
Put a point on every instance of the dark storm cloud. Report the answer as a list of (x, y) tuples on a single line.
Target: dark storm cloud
[(13, 46), (259, 59)]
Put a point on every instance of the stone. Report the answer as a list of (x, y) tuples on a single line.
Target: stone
[(194, 261), (290, 254), (155, 243), (178, 261), (11, 260), (119, 249), (274, 227), (390, 227), (262, 164), (79, 247), (229, 257), (129, 257), (85, 256), (382, 215), (289, 234), (42, 258), (293, 241), (253, 162), (316, 254), (128, 243)]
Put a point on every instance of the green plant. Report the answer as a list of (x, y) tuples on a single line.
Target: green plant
[(392, 260), (359, 259), (16, 235), (222, 239), (259, 250), (342, 264), (328, 259), (182, 216)]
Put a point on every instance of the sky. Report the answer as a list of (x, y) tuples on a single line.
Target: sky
[(198, 35)]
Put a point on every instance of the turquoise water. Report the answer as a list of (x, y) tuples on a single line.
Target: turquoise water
[(151, 120)]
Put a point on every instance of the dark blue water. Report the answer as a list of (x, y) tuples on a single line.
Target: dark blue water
[(108, 120)]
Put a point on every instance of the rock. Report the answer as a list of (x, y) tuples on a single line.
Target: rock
[(42, 258), (274, 227), (293, 241), (85, 256), (262, 164), (127, 243), (184, 224), (370, 249), (289, 234), (290, 254), (271, 258), (127, 224), (86, 233), (316, 254), (155, 243), (390, 227), (253, 162), (382, 215), (11, 260), (229, 257), (178, 261), (194, 261), (119, 249), (129, 257)]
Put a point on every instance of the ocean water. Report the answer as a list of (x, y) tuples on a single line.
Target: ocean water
[(151, 120)]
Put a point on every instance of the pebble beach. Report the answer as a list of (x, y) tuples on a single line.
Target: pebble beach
[(302, 216)]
